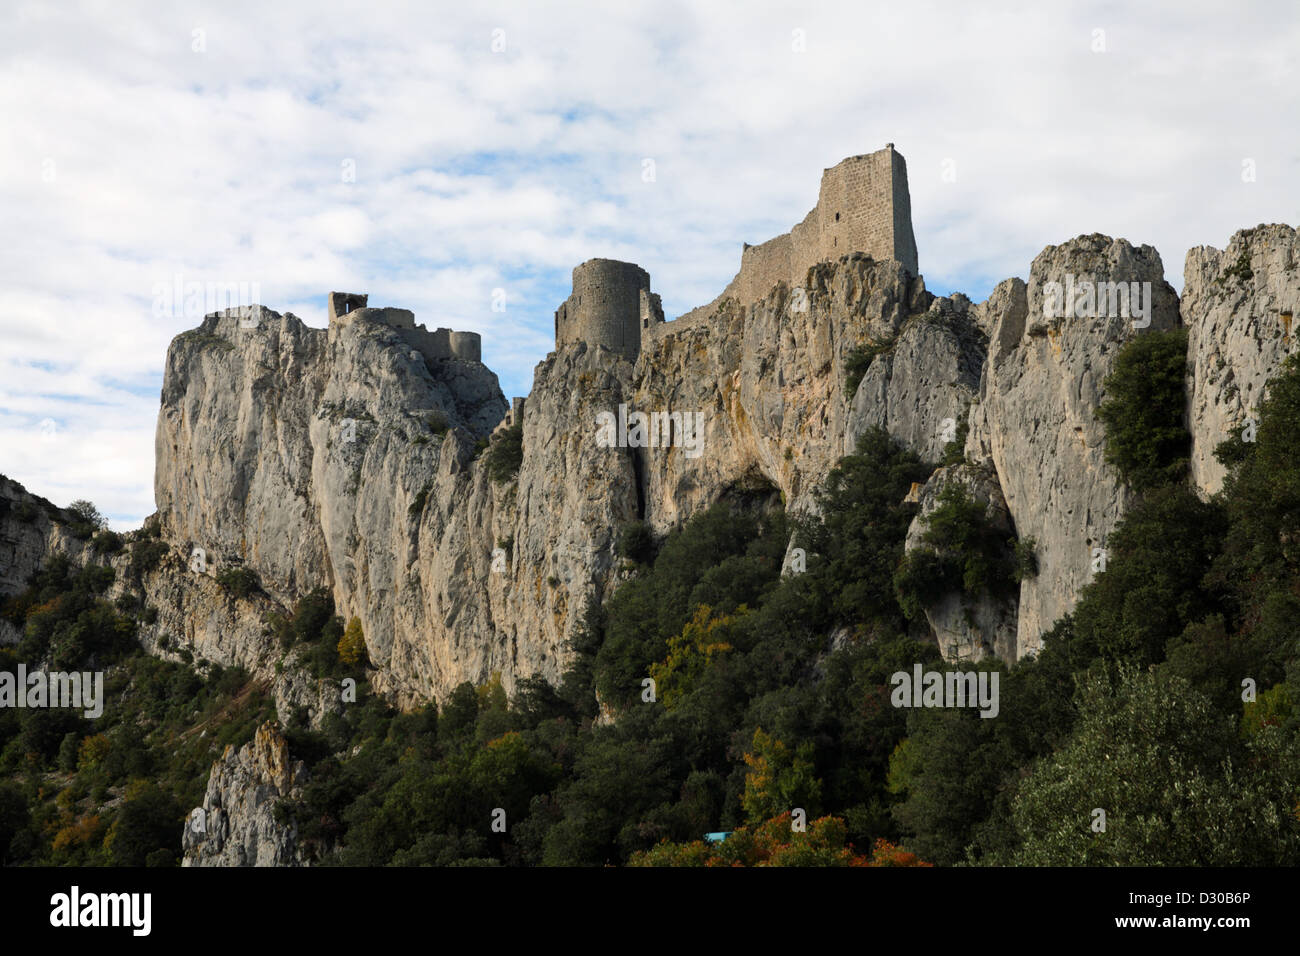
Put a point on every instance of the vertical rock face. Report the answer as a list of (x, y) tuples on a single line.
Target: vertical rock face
[(236, 825), (769, 380), (342, 458), (1035, 418), (309, 455), (1239, 306), (922, 388), (31, 528), (233, 464), (320, 458), (500, 574)]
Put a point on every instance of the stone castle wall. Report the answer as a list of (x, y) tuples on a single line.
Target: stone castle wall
[(863, 205), (346, 307), (762, 267), (466, 346), (605, 307), (651, 310)]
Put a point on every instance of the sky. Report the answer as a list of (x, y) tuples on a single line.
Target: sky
[(445, 156)]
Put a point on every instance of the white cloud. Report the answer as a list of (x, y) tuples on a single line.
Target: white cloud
[(131, 158)]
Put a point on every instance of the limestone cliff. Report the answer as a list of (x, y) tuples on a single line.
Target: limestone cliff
[(343, 458), (309, 455), (1239, 306), (1035, 419), (31, 528), (353, 457), (769, 380), (237, 826)]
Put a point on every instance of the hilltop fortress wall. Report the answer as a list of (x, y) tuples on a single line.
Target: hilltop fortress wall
[(863, 205), (347, 307), (610, 305)]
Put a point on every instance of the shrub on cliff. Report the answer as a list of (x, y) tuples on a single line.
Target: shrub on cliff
[(858, 360), (239, 581), (106, 542), (86, 518), (352, 645), (506, 453), (963, 551), (146, 555), (636, 542)]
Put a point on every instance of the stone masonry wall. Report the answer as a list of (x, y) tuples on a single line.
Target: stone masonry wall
[(605, 306), (347, 307), (863, 205)]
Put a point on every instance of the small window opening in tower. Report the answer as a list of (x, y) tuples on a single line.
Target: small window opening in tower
[(837, 217)]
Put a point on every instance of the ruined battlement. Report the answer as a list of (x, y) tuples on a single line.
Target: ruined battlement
[(863, 205), (514, 416), (610, 303), (344, 303), (348, 307)]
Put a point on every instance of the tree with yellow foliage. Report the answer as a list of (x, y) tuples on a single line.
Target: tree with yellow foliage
[(779, 779), (703, 640), (352, 645)]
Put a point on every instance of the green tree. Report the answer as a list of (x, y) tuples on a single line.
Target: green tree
[(779, 779), (505, 453), (1143, 410), (1177, 786), (858, 541), (148, 821), (1153, 585), (86, 518), (239, 581)]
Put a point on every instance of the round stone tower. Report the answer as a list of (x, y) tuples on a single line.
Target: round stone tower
[(605, 306)]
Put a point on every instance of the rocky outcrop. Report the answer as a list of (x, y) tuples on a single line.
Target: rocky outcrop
[(1035, 420), (1239, 306), (921, 389), (500, 574), (31, 528), (769, 380), (967, 627), (345, 459), (236, 825), (255, 415), (456, 576)]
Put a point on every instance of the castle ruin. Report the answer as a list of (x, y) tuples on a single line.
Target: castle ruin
[(610, 305), (347, 307), (863, 205)]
